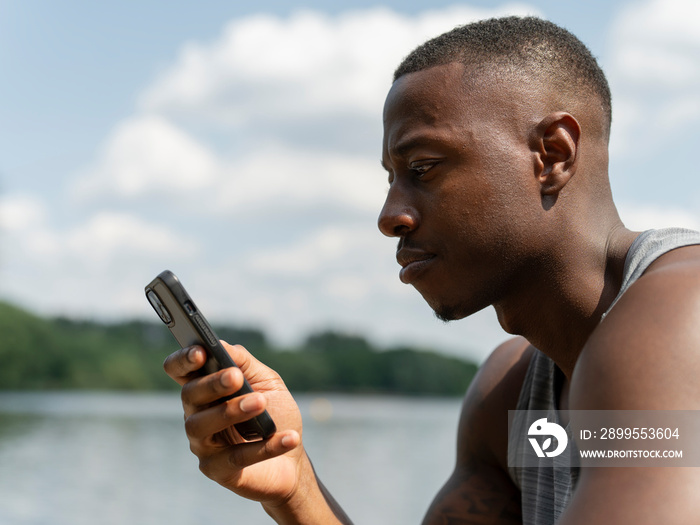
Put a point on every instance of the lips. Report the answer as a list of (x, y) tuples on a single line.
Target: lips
[(413, 262)]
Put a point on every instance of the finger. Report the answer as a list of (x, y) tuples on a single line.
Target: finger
[(180, 365), (239, 354), (202, 425), (253, 369), (219, 465), (203, 391), (241, 456)]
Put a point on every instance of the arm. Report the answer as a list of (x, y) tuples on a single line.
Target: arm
[(644, 356), (476, 493), (276, 472), (480, 490)]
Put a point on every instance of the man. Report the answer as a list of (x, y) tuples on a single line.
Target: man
[(496, 145)]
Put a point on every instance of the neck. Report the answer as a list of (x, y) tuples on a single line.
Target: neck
[(561, 306)]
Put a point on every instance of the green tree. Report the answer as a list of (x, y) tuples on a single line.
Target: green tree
[(39, 353)]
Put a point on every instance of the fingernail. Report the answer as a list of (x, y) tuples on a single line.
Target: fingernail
[(250, 403), (227, 379), (288, 441), (191, 354)]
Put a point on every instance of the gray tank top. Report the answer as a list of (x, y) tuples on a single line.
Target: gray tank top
[(545, 492)]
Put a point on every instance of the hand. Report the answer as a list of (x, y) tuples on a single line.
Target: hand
[(267, 471)]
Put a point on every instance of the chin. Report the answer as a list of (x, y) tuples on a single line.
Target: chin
[(454, 311), (446, 317), (449, 313), (454, 308)]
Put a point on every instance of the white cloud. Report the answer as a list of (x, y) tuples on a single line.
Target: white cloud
[(329, 255), (111, 236), (665, 21), (148, 154), (25, 230), (21, 212), (654, 73), (325, 247), (279, 178), (306, 65), (289, 93), (655, 66), (644, 217), (95, 268)]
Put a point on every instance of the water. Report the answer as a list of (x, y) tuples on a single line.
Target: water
[(116, 459)]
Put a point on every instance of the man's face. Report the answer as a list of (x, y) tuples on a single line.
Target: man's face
[(462, 195)]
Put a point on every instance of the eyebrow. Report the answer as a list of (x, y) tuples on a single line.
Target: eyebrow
[(407, 145), (410, 143)]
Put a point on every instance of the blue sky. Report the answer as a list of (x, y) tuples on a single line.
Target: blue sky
[(238, 145)]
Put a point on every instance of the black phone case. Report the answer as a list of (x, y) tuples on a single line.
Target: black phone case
[(180, 314)]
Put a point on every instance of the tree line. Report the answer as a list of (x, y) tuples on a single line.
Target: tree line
[(60, 353)]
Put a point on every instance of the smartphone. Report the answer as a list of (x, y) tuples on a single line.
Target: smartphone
[(179, 313)]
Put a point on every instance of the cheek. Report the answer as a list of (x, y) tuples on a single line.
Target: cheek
[(486, 228), (488, 199), (470, 209)]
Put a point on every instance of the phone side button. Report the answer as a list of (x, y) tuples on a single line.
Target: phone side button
[(205, 329)]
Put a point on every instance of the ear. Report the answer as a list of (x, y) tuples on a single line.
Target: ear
[(555, 144)]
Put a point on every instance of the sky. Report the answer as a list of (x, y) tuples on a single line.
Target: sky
[(239, 145)]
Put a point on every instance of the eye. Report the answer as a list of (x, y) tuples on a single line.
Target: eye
[(421, 167)]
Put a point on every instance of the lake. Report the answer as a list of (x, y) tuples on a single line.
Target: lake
[(71, 458)]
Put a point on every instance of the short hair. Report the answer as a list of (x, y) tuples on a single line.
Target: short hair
[(516, 44)]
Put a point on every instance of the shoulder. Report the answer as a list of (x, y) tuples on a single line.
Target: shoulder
[(483, 426), (645, 354)]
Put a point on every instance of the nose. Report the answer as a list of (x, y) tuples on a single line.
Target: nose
[(398, 217)]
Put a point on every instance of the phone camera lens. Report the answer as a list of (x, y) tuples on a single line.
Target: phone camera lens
[(159, 307)]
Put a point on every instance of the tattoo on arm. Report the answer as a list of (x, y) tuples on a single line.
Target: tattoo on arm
[(476, 499)]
